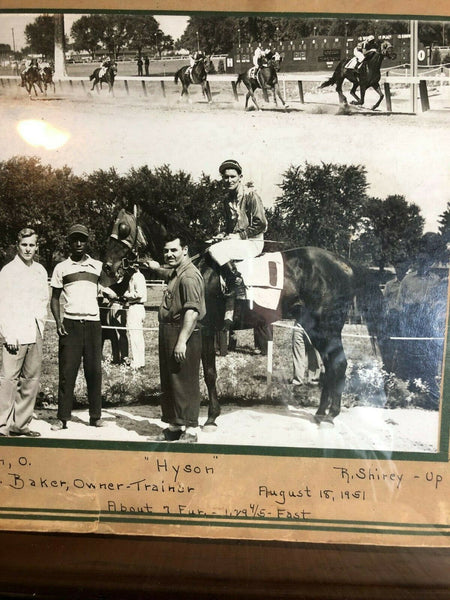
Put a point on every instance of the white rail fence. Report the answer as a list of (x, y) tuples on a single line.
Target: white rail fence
[(422, 81)]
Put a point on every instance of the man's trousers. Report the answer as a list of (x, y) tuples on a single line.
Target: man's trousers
[(84, 341), (180, 385), (19, 385)]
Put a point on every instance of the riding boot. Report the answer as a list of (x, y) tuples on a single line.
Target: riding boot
[(233, 279)]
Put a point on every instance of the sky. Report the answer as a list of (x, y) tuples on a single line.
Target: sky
[(173, 25)]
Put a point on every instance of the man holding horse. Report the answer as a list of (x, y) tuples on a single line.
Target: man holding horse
[(180, 342), (245, 224)]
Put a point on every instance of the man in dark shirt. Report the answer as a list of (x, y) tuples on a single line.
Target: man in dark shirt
[(180, 346)]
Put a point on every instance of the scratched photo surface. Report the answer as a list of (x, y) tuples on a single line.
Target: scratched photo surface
[(354, 358)]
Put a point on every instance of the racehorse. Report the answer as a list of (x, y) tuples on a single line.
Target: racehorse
[(197, 74), (318, 291), (266, 78), (31, 79), (368, 76), (47, 78), (107, 77)]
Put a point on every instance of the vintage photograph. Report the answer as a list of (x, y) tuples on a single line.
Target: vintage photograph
[(224, 230)]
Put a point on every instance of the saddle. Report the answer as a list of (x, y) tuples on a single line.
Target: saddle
[(263, 278)]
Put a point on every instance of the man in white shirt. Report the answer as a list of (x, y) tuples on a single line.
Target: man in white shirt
[(136, 296), (23, 308)]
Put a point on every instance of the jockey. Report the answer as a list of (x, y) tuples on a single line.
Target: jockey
[(245, 224), (106, 62), (258, 56), (44, 65), (366, 46), (195, 57), (29, 62)]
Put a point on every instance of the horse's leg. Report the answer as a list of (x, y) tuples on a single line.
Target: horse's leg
[(353, 92), (251, 94), (342, 98), (276, 92), (210, 375), (381, 96), (335, 365), (207, 90)]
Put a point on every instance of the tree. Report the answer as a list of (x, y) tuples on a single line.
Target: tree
[(87, 33), (320, 205), (116, 33), (211, 34), (40, 35), (163, 42), (393, 229), (142, 31), (444, 224)]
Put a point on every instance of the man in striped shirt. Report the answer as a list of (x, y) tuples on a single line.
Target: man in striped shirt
[(79, 331)]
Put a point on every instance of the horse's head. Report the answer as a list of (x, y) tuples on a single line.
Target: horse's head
[(387, 50), (207, 63), (275, 60), (122, 244)]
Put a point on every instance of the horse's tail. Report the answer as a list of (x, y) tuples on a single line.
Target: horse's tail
[(333, 78), (370, 302), (240, 79), (177, 76), (328, 82), (92, 76)]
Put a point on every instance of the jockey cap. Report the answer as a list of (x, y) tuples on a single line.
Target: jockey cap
[(78, 229), (230, 164)]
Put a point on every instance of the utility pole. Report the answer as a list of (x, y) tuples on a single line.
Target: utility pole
[(414, 49), (60, 57)]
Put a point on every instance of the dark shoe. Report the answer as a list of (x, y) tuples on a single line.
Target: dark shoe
[(3, 434), (26, 433), (96, 423), (189, 438), (59, 425), (169, 435)]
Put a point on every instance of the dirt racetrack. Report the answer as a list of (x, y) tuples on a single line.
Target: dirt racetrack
[(403, 153)]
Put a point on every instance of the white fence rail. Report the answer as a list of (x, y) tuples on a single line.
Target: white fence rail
[(442, 77)]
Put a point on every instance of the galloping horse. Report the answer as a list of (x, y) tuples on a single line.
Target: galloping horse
[(368, 76), (266, 78), (107, 77), (47, 78), (318, 291), (31, 79), (197, 74)]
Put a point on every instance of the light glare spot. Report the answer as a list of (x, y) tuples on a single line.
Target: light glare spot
[(39, 133)]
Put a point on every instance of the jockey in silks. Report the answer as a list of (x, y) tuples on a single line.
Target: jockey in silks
[(243, 237), (194, 58), (44, 65), (106, 62), (29, 62), (362, 49), (260, 58)]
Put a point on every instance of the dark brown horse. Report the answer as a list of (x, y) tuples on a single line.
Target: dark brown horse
[(196, 74), (107, 77), (368, 76), (47, 78), (31, 79), (264, 78), (319, 289)]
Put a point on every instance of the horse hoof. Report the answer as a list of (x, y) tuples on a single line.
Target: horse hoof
[(209, 427)]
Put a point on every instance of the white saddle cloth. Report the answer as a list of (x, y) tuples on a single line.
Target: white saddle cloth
[(264, 278)]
